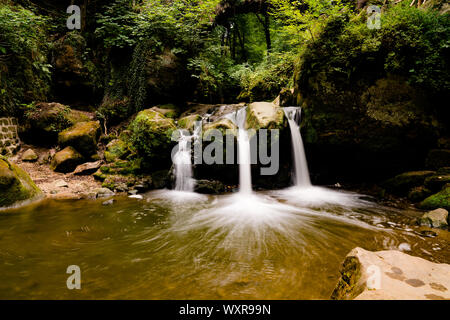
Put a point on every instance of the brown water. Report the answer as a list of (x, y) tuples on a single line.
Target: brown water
[(224, 247)]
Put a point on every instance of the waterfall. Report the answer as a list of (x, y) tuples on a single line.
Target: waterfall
[(244, 151), (183, 161), (301, 172)]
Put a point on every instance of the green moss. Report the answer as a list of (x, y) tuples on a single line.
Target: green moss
[(151, 137), (188, 122), (116, 149), (15, 184), (83, 136), (438, 200)]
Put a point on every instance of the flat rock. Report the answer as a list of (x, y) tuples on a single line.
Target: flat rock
[(103, 193), (88, 168), (61, 184), (391, 275), (29, 156)]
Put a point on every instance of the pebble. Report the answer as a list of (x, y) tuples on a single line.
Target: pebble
[(136, 197), (404, 247)]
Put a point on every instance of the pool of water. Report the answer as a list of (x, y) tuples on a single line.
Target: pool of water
[(172, 245)]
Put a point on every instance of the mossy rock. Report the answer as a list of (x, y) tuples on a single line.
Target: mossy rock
[(223, 125), (151, 137), (264, 115), (116, 149), (188, 122), (83, 136), (168, 110), (437, 181), (404, 182), (66, 160), (438, 200), (417, 194), (15, 184), (44, 121)]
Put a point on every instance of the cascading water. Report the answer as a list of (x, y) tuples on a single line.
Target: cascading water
[(183, 161), (301, 172), (244, 155)]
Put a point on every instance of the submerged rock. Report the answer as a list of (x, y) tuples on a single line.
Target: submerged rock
[(66, 160), (436, 219), (391, 275), (15, 184), (83, 136)]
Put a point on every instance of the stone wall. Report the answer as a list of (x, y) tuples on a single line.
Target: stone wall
[(9, 136)]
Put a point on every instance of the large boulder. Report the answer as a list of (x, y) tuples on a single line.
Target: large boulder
[(66, 160), (83, 136), (151, 137), (391, 275), (15, 184), (264, 115), (438, 200), (45, 121)]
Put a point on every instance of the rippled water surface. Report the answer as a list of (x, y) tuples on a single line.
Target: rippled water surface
[(172, 245)]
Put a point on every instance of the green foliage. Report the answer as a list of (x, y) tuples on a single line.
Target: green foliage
[(265, 80), (24, 71), (117, 24), (411, 42)]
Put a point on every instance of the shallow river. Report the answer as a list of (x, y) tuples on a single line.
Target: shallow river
[(171, 245)]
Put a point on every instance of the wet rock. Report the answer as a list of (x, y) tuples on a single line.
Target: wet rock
[(88, 168), (264, 115), (438, 158), (436, 219), (160, 179), (438, 200), (83, 136), (103, 193), (209, 187), (188, 122), (29, 156), (390, 275), (404, 182), (15, 184), (66, 160)]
